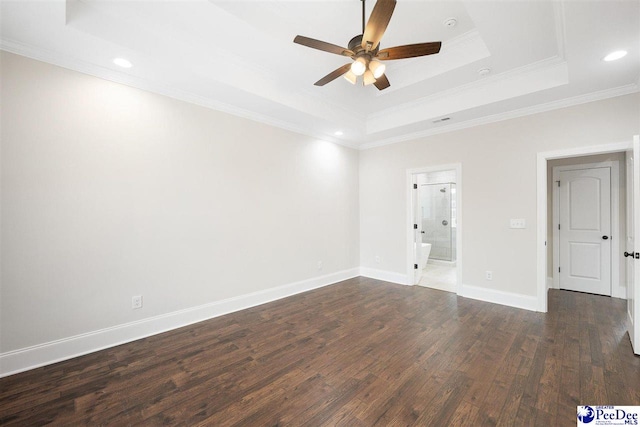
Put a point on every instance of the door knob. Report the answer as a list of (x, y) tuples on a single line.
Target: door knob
[(605, 237), (635, 255), (445, 222), (627, 254)]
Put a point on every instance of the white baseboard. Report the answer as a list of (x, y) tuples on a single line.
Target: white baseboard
[(441, 262), (20, 360), (619, 292), (500, 297), (636, 348), (549, 283), (387, 276)]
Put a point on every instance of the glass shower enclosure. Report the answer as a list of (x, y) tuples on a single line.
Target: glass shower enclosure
[(438, 204)]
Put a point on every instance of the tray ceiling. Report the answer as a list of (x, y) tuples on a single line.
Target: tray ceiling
[(238, 56)]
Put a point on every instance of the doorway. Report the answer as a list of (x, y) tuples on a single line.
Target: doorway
[(435, 227), (631, 150), (588, 224)]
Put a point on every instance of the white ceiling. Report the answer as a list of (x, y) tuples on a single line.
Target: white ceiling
[(239, 56)]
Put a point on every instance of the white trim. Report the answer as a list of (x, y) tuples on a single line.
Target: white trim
[(635, 297), (384, 275), (171, 92), (144, 84), (541, 198), (616, 227), (507, 115), (458, 46), (561, 25), (550, 283), (441, 262), (411, 173), (525, 302), (555, 235), (13, 362), (481, 83)]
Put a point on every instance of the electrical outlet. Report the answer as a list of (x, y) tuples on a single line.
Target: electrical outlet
[(377, 259), (136, 302), (488, 275), (319, 265)]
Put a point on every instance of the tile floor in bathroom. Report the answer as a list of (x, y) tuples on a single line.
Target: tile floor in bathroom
[(436, 276)]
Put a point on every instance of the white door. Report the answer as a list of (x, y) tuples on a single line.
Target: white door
[(632, 253), (417, 231), (585, 230)]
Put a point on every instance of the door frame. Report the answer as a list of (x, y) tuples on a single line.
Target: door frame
[(541, 214), (616, 228), (411, 176), (635, 296)]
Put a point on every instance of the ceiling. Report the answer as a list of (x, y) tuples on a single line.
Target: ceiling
[(239, 57)]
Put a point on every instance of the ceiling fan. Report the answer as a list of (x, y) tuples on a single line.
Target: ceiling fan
[(365, 51)]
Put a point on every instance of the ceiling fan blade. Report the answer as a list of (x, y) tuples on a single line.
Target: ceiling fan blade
[(333, 75), (324, 46), (378, 21), (409, 51), (382, 82)]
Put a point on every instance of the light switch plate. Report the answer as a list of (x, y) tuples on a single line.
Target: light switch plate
[(518, 223)]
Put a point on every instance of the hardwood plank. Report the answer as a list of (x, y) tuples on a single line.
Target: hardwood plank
[(358, 353)]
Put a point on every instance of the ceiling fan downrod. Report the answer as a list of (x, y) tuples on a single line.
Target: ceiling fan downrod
[(363, 2)]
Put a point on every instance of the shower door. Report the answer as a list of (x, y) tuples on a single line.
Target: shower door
[(437, 220)]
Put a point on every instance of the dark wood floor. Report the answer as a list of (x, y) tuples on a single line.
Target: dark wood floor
[(358, 353)]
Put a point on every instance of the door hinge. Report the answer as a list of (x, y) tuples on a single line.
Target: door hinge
[(558, 183), (558, 226), (415, 186), (415, 266), (558, 269), (415, 226)]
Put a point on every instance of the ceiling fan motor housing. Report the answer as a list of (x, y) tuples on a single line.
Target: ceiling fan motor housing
[(355, 45)]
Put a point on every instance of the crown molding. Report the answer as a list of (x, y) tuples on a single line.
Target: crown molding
[(84, 67), (485, 81), (561, 25), (540, 108), (536, 77), (461, 51), (258, 71)]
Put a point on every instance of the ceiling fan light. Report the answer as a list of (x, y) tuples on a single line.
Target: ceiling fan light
[(368, 78), (359, 66), (377, 68), (350, 77)]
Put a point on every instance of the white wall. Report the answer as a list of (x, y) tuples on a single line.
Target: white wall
[(110, 192), (498, 183)]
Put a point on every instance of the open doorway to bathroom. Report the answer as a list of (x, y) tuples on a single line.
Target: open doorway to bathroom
[(435, 222)]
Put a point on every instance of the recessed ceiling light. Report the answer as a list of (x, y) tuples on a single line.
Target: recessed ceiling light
[(615, 55), (450, 22), (484, 71), (122, 63), (338, 133)]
